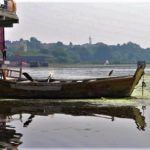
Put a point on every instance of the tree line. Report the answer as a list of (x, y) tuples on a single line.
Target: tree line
[(99, 53)]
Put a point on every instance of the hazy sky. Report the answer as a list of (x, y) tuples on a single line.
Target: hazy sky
[(111, 23)]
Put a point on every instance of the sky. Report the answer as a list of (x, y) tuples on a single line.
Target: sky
[(110, 21)]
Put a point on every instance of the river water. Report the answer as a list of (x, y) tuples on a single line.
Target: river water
[(78, 124)]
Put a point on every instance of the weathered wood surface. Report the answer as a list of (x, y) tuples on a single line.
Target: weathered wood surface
[(104, 87)]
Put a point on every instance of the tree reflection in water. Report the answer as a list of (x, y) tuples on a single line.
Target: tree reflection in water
[(10, 139)]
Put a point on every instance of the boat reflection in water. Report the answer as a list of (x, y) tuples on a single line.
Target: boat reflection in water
[(10, 139)]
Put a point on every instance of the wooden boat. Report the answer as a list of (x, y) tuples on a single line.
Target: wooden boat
[(113, 87)]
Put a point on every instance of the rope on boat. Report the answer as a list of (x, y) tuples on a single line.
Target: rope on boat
[(143, 85)]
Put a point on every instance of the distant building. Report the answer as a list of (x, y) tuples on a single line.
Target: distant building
[(23, 45), (90, 40), (25, 48), (33, 61), (70, 45), (107, 62)]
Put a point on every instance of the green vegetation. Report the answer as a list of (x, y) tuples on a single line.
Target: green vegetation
[(87, 53)]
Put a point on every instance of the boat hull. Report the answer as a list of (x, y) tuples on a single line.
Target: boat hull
[(114, 87), (90, 89)]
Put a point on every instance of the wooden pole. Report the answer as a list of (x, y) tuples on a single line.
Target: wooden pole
[(4, 74), (20, 73)]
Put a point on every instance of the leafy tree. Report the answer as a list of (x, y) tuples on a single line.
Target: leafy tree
[(94, 53)]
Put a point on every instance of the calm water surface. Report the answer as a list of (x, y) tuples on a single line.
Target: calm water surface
[(93, 123)]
